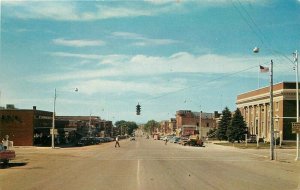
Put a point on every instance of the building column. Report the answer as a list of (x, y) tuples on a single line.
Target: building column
[(248, 119), (265, 122), (254, 119), (259, 122)]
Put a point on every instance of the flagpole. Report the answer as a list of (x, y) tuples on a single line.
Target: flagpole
[(297, 104), (271, 113), (258, 77)]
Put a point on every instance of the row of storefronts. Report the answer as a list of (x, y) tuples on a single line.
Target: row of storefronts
[(27, 127), (188, 122)]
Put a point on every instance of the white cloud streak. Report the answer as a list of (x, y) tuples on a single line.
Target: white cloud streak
[(74, 55), (142, 66), (73, 11), (78, 43), (142, 40), (178, 62), (93, 86)]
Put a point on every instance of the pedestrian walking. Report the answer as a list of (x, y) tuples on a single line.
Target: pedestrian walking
[(5, 142), (166, 141), (117, 141)]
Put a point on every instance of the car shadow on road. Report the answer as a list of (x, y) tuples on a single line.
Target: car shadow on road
[(12, 165)]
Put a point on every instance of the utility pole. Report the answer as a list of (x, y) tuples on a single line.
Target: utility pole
[(90, 124), (53, 120), (200, 123), (272, 157), (297, 103)]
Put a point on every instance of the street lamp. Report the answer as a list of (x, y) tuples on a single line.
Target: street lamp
[(272, 157), (53, 118), (295, 54), (297, 99)]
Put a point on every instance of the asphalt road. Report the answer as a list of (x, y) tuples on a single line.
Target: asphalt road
[(148, 164)]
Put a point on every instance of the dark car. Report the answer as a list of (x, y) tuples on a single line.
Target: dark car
[(175, 140), (100, 140), (85, 141), (251, 139), (108, 139)]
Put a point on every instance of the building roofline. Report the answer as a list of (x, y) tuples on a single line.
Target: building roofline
[(266, 87)]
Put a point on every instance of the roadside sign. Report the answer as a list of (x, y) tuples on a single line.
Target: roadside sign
[(295, 127), (55, 131)]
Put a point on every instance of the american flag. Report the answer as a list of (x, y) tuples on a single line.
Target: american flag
[(263, 69)]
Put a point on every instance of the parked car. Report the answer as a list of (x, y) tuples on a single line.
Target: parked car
[(251, 139), (174, 140), (183, 141), (194, 140), (99, 140), (84, 141), (132, 138), (6, 155), (108, 139)]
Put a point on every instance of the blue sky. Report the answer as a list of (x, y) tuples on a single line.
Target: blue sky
[(166, 55)]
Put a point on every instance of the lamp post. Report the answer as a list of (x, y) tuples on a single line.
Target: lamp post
[(295, 54), (272, 157), (53, 119), (200, 123), (297, 103)]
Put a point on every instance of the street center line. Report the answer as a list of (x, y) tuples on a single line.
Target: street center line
[(138, 175)]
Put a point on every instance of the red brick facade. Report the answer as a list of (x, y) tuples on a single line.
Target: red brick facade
[(255, 108), (20, 124)]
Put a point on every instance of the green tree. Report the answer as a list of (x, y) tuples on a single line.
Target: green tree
[(223, 124), (131, 127), (151, 125), (237, 128), (126, 126)]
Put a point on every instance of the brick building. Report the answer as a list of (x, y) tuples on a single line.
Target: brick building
[(255, 108), (168, 126), (28, 127), (187, 122), (22, 124)]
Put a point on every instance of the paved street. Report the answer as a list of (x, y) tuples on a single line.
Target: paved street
[(149, 164)]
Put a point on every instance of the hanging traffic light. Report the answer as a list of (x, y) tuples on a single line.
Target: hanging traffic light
[(138, 109)]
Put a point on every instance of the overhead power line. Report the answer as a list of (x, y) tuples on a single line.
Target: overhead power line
[(254, 27), (206, 82)]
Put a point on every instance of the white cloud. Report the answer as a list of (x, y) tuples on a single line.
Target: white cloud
[(123, 71), (73, 11), (78, 43), (142, 65), (142, 40), (109, 86), (128, 35), (82, 56)]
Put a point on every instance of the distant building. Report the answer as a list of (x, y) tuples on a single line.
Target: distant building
[(172, 124), (168, 126), (187, 122), (85, 125), (255, 107)]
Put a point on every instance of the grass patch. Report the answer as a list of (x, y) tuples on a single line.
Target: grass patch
[(286, 145)]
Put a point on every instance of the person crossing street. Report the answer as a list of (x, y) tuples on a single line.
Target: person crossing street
[(117, 141)]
